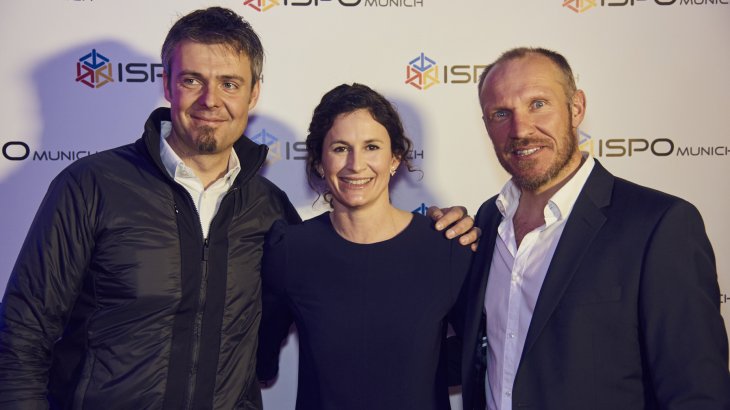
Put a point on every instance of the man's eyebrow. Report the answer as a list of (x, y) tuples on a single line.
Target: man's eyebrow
[(226, 77), (222, 77)]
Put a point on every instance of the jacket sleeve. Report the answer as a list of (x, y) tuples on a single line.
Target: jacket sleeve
[(276, 317), (461, 257), (286, 211), (458, 313), (290, 213), (41, 292), (683, 334)]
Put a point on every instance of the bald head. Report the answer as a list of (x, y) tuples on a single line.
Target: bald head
[(560, 62)]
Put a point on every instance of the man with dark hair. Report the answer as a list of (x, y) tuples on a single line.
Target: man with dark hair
[(588, 291), (138, 283)]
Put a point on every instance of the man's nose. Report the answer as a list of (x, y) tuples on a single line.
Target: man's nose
[(209, 97)]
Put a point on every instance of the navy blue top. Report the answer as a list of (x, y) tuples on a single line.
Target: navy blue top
[(371, 318)]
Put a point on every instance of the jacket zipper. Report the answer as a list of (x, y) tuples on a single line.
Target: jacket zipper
[(197, 326), (198, 322)]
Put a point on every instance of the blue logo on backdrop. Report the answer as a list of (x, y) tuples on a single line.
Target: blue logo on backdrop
[(421, 209), (95, 70), (280, 149)]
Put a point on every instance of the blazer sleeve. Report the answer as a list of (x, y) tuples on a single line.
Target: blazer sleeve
[(458, 312), (460, 261), (43, 287), (683, 334), (276, 316)]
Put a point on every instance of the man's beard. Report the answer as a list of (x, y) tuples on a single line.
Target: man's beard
[(533, 182), (206, 140)]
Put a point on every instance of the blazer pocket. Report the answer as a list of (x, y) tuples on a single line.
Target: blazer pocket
[(591, 296)]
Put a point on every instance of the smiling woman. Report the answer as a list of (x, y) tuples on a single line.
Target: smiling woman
[(371, 320), (357, 161)]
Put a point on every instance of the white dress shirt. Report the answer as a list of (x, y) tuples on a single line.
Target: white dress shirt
[(208, 200), (515, 278)]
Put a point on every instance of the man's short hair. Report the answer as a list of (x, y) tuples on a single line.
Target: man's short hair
[(519, 52), (216, 25)]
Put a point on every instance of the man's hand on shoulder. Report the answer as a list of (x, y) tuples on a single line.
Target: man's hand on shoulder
[(457, 223)]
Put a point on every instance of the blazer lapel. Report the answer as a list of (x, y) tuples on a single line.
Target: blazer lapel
[(473, 371), (486, 249), (488, 221), (584, 222)]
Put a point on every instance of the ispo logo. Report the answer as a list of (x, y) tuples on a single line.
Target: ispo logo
[(422, 72), (622, 147), (581, 6), (261, 5), (270, 140), (421, 209), (264, 5), (94, 70), (280, 150), (16, 150), (19, 151), (658, 147)]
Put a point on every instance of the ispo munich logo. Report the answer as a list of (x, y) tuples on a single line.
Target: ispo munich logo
[(422, 72), (280, 149), (638, 147), (94, 70), (270, 140), (19, 151), (421, 209), (581, 6), (261, 5)]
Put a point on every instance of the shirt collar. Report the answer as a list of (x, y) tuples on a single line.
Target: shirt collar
[(560, 204), (175, 166)]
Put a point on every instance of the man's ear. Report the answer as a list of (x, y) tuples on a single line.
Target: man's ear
[(577, 108), (254, 95), (166, 86)]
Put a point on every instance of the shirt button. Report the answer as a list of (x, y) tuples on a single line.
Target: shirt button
[(511, 335), (508, 393)]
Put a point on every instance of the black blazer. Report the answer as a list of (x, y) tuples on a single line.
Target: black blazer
[(628, 316)]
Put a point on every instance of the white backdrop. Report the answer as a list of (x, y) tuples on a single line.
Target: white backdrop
[(655, 73)]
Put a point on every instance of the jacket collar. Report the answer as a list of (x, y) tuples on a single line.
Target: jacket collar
[(581, 229), (250, 154)]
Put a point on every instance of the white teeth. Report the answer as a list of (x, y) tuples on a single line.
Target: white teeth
[(526, 151), (357, 181)]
